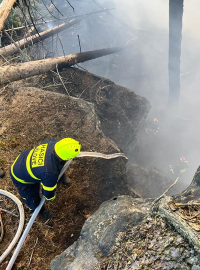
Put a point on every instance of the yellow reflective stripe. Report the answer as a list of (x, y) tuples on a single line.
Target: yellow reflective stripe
[(184, 170), (48, 188), (28, 163), (16, 178), (50, 198)]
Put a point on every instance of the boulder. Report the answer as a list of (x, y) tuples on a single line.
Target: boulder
[(147, 182), (41, 115), (122, 113), (99, 232)]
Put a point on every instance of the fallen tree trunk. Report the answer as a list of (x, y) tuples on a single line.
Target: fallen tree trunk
[(5, 8), (25, 42), (29, 69), (188, 227), (182, 211)]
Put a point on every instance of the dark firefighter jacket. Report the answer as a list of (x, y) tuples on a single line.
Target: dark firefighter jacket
[(38, 165)]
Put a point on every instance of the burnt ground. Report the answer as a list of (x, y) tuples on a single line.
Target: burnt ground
[(73, 204)]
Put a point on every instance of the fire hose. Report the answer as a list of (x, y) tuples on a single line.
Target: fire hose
[(20, 226), (37, 210), (1, 222), (1, 228)]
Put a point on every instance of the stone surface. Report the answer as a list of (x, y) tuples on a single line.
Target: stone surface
[(153, 244), (100, 231), (122, 113), (148, 182), (192, 191)]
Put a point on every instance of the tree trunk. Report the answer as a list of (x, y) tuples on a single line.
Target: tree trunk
[(29, 69), (175, 36), (25, 42), (5, 8)]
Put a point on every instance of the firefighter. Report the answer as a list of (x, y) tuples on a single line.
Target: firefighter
[(153, 127), (40, 167), (181, 168)]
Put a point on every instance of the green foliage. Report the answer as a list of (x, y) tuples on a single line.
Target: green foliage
[(33, 12), (14, 19)]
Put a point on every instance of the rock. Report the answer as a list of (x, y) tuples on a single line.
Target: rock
[(120, 119), (99, 232), (195, 267), (81, 255), (112, 217), (193, 260), (148, 182), (175, 253), (122, 113), (148, 241), (62, 116)]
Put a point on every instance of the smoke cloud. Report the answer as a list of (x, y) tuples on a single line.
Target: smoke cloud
[(144, 69)]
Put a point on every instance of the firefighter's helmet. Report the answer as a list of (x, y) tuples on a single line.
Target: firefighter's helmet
[(155, 120), (182, 159), (67, 148)]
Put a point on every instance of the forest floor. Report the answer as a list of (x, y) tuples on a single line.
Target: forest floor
[(73, 205)]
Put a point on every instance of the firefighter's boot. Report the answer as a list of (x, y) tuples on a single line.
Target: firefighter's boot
[(65, 180), (2, 174), (44, 213)]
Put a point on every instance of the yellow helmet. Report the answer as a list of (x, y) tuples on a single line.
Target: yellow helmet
[(67, 148)]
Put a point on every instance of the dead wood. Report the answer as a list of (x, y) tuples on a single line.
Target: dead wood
[(16, 45), (5, 8), (187, 228), (29, 41), (29, 69), (25, 42), (183, 210), (162, 195)]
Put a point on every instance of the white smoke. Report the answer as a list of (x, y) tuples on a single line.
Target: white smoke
[(145, 68)]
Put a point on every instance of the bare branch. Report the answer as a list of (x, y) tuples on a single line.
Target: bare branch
[(18, 48), (56, 8), (11, 49), (32, 252), (71, 5), (161, 196), (61, 80), (79, 43)]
